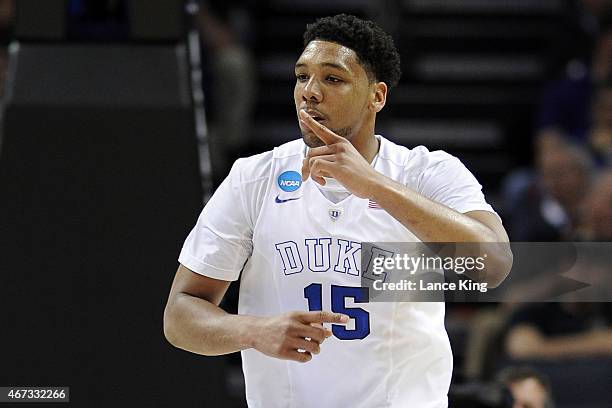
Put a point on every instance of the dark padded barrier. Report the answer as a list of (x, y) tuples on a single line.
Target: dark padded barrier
[(144, 20), (156, 20), (44, 20), (116, 76), (96, 199)]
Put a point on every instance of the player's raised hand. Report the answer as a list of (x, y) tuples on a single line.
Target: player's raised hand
[(283, 335), (337, 159)]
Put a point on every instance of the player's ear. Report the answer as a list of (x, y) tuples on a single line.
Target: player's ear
[(379, 96)]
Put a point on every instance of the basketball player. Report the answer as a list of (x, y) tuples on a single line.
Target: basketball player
[(289, 223)]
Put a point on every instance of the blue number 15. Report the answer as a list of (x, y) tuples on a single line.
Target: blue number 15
[(313, 293)]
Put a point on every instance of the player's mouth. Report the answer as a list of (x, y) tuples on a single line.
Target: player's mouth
[(316, 115)]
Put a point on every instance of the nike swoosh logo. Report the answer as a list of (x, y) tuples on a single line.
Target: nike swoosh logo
[(280, 201)]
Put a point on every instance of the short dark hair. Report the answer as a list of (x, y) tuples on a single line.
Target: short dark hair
[(374, 48)]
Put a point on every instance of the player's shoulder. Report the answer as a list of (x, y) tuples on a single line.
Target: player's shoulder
[(258, 167), (290, 150), (415, 160), (252, 168)]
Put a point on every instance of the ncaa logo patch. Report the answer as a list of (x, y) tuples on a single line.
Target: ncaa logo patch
[(290, 181)]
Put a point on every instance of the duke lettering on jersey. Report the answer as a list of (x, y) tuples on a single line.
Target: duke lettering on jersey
[(318, 255), (290, 255)]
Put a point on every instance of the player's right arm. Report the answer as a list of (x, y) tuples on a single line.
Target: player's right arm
[(193, 321)]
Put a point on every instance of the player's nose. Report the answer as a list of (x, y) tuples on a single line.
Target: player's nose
[(312, 91)]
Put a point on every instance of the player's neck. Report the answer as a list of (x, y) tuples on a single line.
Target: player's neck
[(367, 146)]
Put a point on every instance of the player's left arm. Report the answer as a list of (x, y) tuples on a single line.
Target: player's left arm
[(429, 220)]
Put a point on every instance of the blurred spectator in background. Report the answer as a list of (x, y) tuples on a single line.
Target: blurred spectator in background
[(597, 210), (529, 387), (565, 108), (560, 330), (574, 109), (582, 23), (230, 99), (548, 209), (600, 135), (592, 13)]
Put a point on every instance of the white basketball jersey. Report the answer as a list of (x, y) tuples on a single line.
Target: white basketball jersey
[(296, 250)]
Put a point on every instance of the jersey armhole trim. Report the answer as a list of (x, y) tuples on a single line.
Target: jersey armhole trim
[(204, 269)]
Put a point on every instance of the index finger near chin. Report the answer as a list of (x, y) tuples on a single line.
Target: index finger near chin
[(325, 134)]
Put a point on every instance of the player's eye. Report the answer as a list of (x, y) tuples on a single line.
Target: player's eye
[(333, 79), (301, 77)]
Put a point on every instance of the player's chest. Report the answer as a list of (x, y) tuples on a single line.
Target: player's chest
[(307, 212), (302, 231)]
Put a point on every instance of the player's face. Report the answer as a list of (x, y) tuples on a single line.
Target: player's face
[(528, 393), (334, 88)]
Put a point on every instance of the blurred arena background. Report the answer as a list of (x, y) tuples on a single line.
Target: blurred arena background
[(120, 117)]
